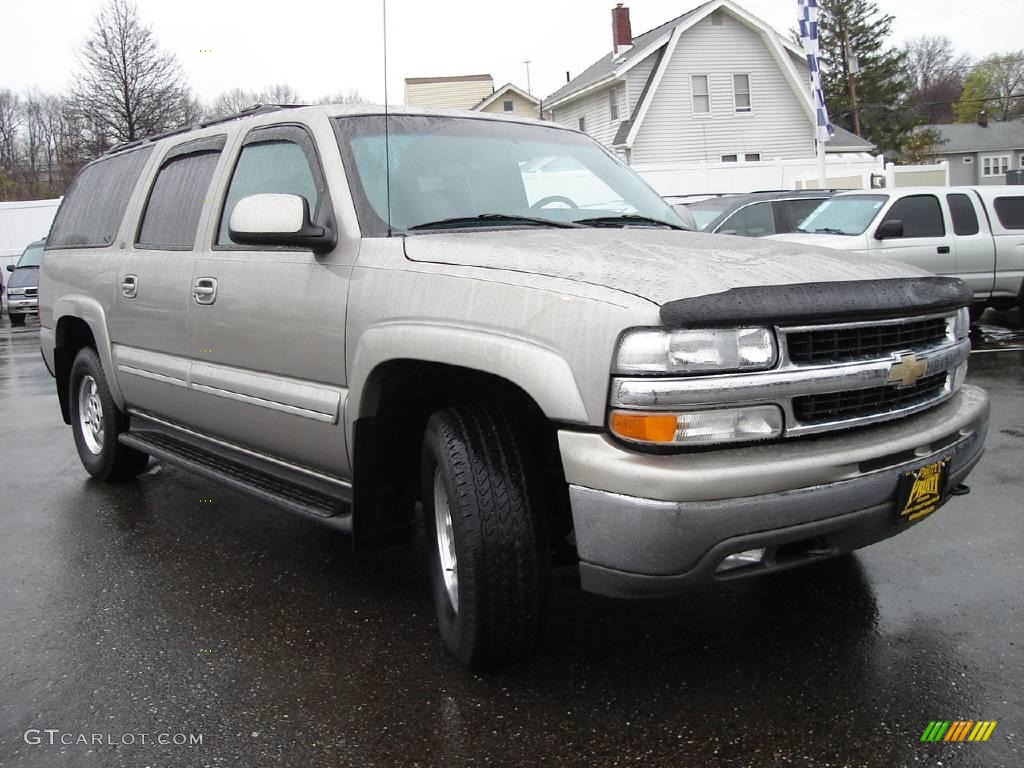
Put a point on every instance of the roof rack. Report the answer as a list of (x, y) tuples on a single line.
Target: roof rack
[(255, 109)]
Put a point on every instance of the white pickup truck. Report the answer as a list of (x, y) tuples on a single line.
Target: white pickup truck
[(974, 233)]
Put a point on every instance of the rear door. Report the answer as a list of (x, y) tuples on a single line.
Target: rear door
[(268, 323), (927, 240), (975, 249), (149, 325)]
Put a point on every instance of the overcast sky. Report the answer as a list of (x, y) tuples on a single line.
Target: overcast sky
[(326, 46)]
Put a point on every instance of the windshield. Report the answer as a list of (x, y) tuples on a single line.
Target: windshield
[(462, 168), (32, 256), (847, 215), (706, 211)]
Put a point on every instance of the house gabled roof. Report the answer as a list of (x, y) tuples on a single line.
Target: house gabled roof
[(999, 135), (609, 67), (506, 88), (844, 141)]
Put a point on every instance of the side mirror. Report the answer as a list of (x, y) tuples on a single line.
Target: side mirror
[(273, 219), (10, 267), (890, 228)]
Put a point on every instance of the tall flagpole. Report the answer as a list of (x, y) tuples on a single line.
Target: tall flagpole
[(822, 128)]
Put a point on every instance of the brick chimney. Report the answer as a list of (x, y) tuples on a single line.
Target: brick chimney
[(983, 119), (622, 34)]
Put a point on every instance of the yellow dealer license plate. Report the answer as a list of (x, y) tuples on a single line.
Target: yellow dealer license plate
[(922, 491)]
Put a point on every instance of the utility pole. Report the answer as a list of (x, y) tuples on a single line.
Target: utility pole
[(529, 87), (851, 81)]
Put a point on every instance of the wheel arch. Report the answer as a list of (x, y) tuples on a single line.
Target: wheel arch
[(391, 401), (79, 321)]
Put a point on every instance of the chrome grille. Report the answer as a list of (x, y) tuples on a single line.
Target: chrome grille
[(858, 403), (863, 342), (31, 291)]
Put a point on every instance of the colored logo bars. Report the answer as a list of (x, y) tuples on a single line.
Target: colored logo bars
[(958, 730), (809, 37)]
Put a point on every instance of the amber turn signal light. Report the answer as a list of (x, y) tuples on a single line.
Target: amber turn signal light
[(645, 427)]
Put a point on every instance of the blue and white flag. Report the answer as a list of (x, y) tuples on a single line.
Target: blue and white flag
[(809, 37)]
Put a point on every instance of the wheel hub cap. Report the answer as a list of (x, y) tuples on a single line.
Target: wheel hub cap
[(90, 414), (445, 540)]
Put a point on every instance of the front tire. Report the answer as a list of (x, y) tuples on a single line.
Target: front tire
[(97, 422), (485, 536)]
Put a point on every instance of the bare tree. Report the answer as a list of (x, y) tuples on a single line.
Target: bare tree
[(936, 73), (348, 96), (129, 87), (10, 122), (234, 101)]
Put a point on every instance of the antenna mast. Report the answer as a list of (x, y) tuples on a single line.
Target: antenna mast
[(387, 145)]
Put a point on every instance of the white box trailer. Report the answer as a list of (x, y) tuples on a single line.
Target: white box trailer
[(21, 222)]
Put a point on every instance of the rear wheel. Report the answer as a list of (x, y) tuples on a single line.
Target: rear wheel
[(485, 537), (96, 422)]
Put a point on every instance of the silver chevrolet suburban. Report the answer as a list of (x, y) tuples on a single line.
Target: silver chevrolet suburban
[(358, 316)]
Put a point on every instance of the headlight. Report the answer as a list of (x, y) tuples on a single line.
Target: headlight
[(962, 323), (15, 291), (721, 425), (712, 350)]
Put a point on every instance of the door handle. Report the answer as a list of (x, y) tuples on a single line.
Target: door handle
[(129, 286), (943, 249), (204, 291)]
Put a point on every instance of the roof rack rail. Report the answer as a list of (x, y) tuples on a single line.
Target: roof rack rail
[(255, 109)]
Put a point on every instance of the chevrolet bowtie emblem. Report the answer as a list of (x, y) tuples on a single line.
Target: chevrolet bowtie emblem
[(907, 370)]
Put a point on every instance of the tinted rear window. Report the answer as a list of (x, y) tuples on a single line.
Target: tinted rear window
[(176, 201), (94, 206), (961, 210), (1010, 211)]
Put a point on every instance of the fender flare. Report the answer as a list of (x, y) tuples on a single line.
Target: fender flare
[(91, 312), (541, 372)]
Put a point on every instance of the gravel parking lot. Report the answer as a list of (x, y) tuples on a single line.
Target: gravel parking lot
[(172, 607)]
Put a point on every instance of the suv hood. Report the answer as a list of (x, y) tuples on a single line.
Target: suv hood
[(24, 277), (656, 264)]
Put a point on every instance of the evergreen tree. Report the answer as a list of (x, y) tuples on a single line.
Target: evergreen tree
[(856, 28)]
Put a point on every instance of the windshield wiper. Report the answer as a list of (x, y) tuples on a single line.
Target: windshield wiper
[(621, 221), (491, 218), (828, 231)]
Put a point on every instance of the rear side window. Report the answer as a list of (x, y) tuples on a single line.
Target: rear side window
[(176, 200), (266, 167), (961, 210), (753, 221), (93, 208), (920, 214), (1010, 211), (789, 213)]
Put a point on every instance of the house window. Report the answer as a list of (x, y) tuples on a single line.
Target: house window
[(752, 157), (741, 92), (995, 165), (583, 124), (701, 97), (613, 105), (730, 158), (1021, 163), (508, 105)]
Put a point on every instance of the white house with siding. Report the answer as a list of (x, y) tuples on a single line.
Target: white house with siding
[(714, 85)]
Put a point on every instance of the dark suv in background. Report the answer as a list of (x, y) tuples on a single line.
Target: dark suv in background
[(23, 285), (755, 214)]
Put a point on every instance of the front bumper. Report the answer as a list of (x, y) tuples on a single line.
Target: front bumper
[(654, 524), (22, 306)]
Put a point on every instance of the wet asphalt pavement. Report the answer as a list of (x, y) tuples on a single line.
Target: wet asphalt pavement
[(171, 605)]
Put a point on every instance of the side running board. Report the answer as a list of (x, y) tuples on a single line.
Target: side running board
[(260, 478)]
